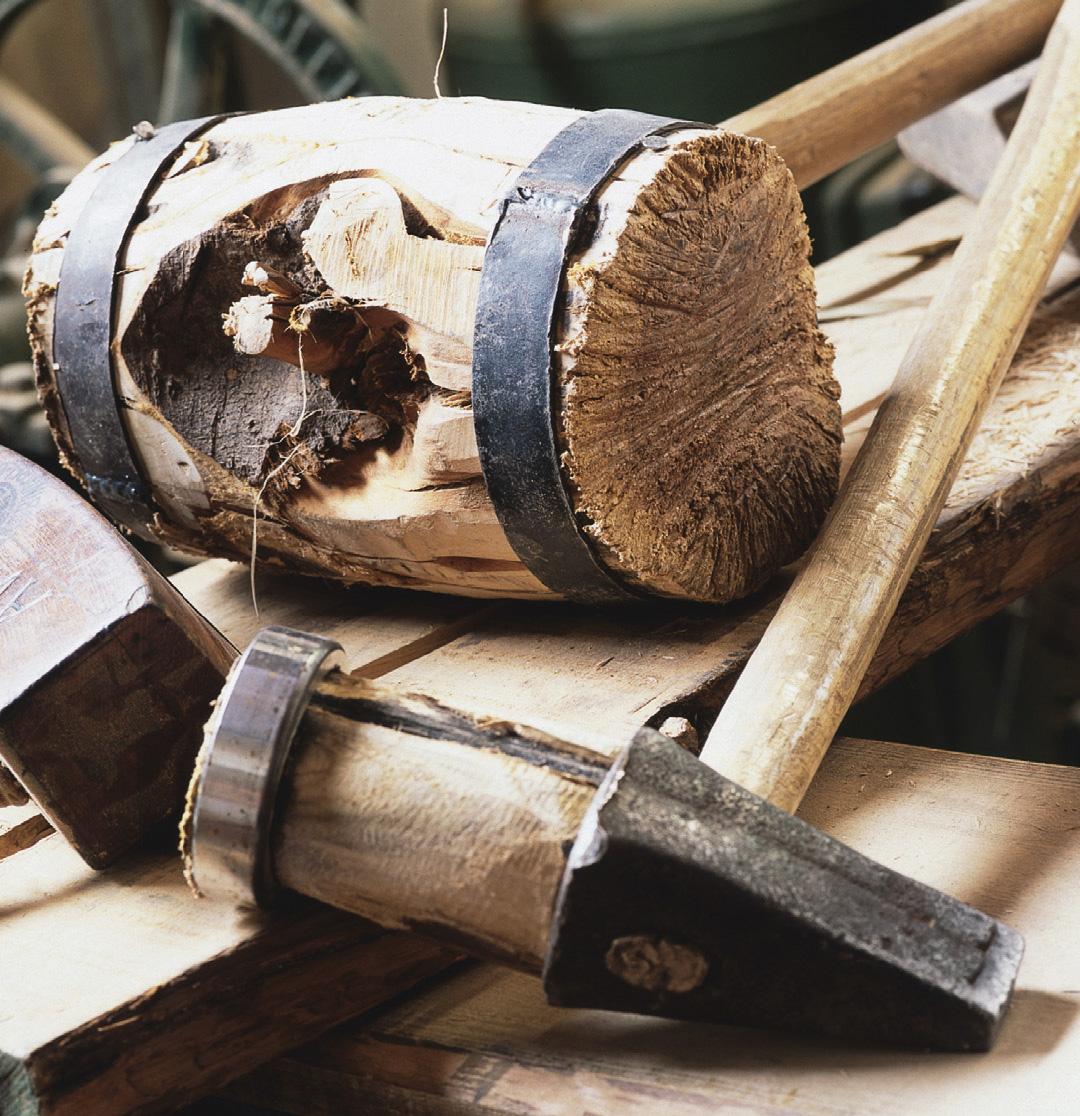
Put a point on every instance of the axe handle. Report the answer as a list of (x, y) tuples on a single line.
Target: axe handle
[(774, 729), (828, 120)]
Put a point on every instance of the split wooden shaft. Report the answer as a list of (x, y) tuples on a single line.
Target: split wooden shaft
[(781, 716), (11, 790), (459, 827), (828, 120)]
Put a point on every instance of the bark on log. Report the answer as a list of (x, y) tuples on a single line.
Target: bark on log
[(293, 340)]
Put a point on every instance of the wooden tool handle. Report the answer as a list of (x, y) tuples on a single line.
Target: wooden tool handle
[(418, 816), (825, 122), (784, 710)]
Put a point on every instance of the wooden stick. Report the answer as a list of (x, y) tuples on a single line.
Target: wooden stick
[(823, 123), (774, 729)]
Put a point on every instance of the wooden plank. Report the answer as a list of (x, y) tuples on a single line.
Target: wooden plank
[(1001, 834), (143, 998), (120, 993), (377, 628)]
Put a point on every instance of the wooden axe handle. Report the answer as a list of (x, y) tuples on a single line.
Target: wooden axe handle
[(828, 120), (774, 729)]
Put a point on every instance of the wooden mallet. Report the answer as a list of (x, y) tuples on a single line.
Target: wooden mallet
[(501, 311)]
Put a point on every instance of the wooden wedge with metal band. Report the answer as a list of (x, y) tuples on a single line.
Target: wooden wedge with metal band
[(650, 884)]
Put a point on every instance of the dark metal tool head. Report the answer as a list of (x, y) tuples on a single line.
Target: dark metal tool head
[(688, 897), (108, 674), (683, 894)]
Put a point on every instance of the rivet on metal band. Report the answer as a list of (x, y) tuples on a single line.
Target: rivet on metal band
[(248, 741)]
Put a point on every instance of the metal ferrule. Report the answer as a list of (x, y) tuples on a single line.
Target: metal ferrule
[(247, 743)]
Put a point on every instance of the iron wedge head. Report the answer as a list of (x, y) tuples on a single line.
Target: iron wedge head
[(688, 897)]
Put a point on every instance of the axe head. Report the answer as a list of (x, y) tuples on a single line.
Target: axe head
[(688, 897), (108, 674)]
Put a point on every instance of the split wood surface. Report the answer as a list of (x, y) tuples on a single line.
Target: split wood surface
[(294, 348), (775, 727), (96, 970)]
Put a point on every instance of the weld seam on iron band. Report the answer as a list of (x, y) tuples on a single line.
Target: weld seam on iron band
[(513, 376), (82, 322)]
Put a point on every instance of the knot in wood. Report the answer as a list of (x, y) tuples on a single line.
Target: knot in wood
[(647, 961)]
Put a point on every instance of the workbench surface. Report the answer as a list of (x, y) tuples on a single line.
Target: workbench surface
[(121, 994)]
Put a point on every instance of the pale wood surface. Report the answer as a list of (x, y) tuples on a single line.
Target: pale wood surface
[(121, 993), (1000, 834), (451, 825), (1013, 520), (797, 687)]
